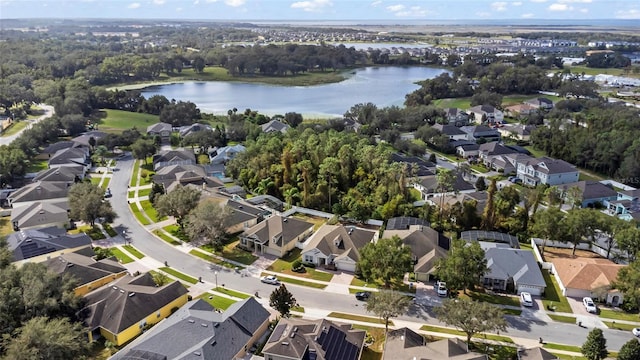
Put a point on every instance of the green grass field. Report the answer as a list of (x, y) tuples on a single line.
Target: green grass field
[(289, 280), (15, 127), (139, 215), (620, 326), (133, 251), (144, 192), (179, 275), (134, 174), (233, 293), (490, 298), (218, 302), (368, 319), (283, 265), (5, 226), (564, 319), (461, 333), (553, 294), (116, 121), (125, 259), (162, 235), (37, 165), (212, 259), (619, 315), (151, 212)]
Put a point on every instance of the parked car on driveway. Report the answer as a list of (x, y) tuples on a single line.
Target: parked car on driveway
[(590, 305), (363, 295), (441, 288), (525, 299), (270, 279)]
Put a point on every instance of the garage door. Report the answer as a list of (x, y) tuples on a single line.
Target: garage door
[(530, 289)]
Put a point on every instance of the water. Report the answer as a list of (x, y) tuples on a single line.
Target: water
[(383, 86)]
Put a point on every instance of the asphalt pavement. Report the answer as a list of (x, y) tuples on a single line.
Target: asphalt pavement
[(48, 112)]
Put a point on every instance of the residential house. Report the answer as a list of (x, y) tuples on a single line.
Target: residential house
[(491, 236), (520, 110), (428, 186), (337, 246), (193, 128), (507, 164), (51, 149), (547, 171), (536, 353), (481, 133), (4, 197), (427, 247), (513, 270), (626, 206), (582, 277), (173, 157), (41, 214), (161, 129), (417, 166), (487, 151), (456, 117), (84, 140), (301, 339), (451, 131), (275, 126), (351, 125), (171, 176), (276, 235), (128, 306), (90, 273), (38, 245), (406, 344), (486, 114), (266, 202), (467, 151), (71, 156), (39, 191), (517, 131), (243, 216), (225, 154), (591, 193), (66, 173), (405, 222), (196, 330), (540, 103)]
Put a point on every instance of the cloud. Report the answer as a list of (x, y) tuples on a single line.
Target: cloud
[(560, 7), (178, 9), (584, 10), (196, 2), (414, 11), (376, 3), (312, 5), (235, 3), (628, 14), (527, 16), (517, 3), (538, 1), (575, 1), (499, 6), (395, 8), (158, 2), (134, 5)]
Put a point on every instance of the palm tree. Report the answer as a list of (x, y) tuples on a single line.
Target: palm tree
[(290, 194)]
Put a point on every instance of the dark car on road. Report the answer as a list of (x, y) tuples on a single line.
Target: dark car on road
[(363, 295)]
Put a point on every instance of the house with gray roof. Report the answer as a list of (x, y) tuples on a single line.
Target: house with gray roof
[(406, 344), (481, 133), (540, 103), (428, 186), (128, 306), (518, 131), (513, 270), (41, 214), (193, 128), (405, 222), (275, 126), (71, 156), (242, 216), (545, 170), (591, 193), (89, 273), (173, 157), (226, 154), (66, 173), (172, 176), (197, 331), (467, 150), (451, 131), (427, 247), (39, 191), (536, 353), (300, 339), (456, 117), (38, 245), (161, 129), (488, 151), (337, 246), (276, 235), (51, 149), (417, 166), (85, 138)]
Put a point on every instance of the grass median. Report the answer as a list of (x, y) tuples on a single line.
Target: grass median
[(162, 235), (444, 330), (122, 257), (133, 251), (233, 293), (213, 259), (562, 318), (179, 275), (293, 281), (139, 214), (369, 319)]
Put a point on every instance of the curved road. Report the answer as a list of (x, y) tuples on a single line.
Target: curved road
[(48, 112), (308, 297)]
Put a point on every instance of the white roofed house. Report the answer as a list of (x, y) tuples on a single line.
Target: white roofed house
[(337, 246)]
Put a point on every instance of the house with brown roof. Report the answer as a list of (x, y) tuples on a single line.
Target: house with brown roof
[(580, 277), (520, 110), (427, 247), (337, 246), (276, 235), (128, 306), (90, 274), (300, 339), (406, 344)]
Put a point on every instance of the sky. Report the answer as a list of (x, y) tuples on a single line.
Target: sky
[(308, 10)]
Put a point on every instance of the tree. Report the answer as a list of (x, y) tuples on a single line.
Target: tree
[(472, 317), (102, 253), (387, 260), (282, 300), (86, 203), (629, 241), (293, 119), (143, 148), (595, 347), (628, 281), (546, 224), (156, 191), (44, 338), (160, 278), (178, 203), (445, 179), (481, 185), (387, 304), (464, 267), (489, 214), (630, 350), (207, 224)]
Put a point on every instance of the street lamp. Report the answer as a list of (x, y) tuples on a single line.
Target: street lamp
[(216, 273)]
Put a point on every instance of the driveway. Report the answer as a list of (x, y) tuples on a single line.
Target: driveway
[(588, 320)]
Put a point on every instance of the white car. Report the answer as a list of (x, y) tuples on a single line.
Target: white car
[(525, 299), (441, 288), (270, 279), (590, 305), (636, 332)]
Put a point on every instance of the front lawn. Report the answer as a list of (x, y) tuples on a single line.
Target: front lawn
[(620, 326), (232, 252), (133, 251), (375, 349), (162, 235), (110, 231), (233, 293), (289, 280), (5, 226), (122, 257), (399, 286), (94, 233), (283, 265), (461, 333), (138, 214), (555, 346), (95, 179), (179, 275), (105, 183), (553, 295), (151, 212), (498, 299), (212, 259), (176, 231), (15, 127), (618, 315), (144, 192), (562, 318), (115, 121), (37, 165), (361, 318), (218, 302)]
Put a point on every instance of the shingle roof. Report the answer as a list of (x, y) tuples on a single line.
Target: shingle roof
[(586, 273), (159, 127), (115, 309), (548, 165), (53, 148), (75, 155), (174, 156), (277, 231), (197, 329), (521, 265), (66, 173), (449, 130), (404, 222), (40, 190), (340, 240), (483, 108), (427, 245), (40, 214), (84, 268), (536, 353), (430, 183), (29, 243), (591, 189), (405, 344), (275, 125)]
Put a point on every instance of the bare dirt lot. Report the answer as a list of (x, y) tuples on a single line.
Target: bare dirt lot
[(551, 253)]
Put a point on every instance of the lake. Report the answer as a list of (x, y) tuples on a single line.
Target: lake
[(383, 86)]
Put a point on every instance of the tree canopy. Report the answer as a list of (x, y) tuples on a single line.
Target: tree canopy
[(207, 224), (595, 347), (386, 259), (87, 203), (178, 203), (282, 300), (464, 267), (387, 304), (472, 317)]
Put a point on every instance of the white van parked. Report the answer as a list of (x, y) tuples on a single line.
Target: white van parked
[(525, 299)]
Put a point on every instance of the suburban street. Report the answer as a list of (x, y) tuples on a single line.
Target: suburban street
[(48, 112), (311, 299)]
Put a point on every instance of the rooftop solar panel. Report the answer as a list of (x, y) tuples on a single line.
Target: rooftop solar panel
[(277, 333)]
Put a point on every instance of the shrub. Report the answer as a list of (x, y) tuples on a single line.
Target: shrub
[(297, 266), (309, 264)]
